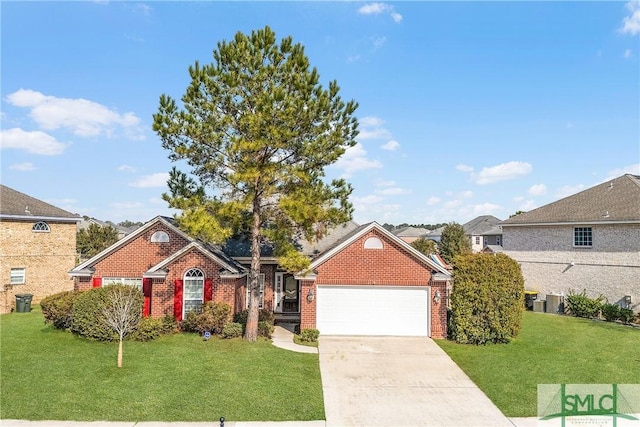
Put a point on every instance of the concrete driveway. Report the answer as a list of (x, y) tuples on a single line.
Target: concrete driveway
[(393, 381)]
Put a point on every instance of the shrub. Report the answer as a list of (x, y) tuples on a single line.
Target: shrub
[(169, 324), (264, 315), (580, 305), (212, 317), (57, 309), (148, 329), (487, 299), (309, 335), (611, 312), (626, 315), (232, 330), (87, 313), (265, 329)]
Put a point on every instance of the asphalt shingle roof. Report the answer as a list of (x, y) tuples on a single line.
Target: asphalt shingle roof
[(16, 204), (614, 200), (481, 224)]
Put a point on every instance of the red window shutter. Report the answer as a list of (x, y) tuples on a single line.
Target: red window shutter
[(177, 299), (146, 290), (208, 290), (97, 282)]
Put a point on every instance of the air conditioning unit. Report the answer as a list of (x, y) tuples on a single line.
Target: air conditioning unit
[(555, 303)]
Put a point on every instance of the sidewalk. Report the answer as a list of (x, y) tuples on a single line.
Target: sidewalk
[(283, 337)]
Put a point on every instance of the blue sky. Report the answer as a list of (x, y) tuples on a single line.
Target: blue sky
[(466, 108)]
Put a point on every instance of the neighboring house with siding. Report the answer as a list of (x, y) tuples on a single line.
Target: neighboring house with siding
[(476, 230), (590, 240), (411, 234), (362, 280), (37, 247)]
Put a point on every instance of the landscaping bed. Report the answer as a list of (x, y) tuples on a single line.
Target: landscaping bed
[(550, 349), (53, 374)]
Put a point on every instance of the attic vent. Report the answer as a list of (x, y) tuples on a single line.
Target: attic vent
[(373, 243), (611, 185), (606, 214), (159, 237)]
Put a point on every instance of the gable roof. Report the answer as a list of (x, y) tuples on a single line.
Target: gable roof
[(210, 250), (411, 232), (18, 206), (479, 225), (362, 230), (613, 201), (496, 230)]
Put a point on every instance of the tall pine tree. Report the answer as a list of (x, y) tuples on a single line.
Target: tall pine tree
[(257, 130)]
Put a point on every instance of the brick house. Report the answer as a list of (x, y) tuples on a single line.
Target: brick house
[(590, 240), (363, 280), (37, 247)]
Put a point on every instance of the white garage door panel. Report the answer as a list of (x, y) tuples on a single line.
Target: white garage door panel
[(372, 310)]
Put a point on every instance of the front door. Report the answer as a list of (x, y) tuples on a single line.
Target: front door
[(291, 299)]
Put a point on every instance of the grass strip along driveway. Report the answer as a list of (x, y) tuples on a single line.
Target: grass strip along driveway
[(50, 374), (550, 349)]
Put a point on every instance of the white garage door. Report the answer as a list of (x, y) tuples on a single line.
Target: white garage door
[(373, 310)]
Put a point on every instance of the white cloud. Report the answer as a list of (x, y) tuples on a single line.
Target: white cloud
[(631, 23), (627, 53), (452, 204), (394, 191), (502, 172), (633, 169), (154, 180), (370, 121), (126, 168), (378, 42), (527, 205), (82, 117), (367, 200), (464, 168), (466, 194), (392, 145), (355, 159), (126, 205), (378, 8), (568, 190), (23, 167), (433, 201), (375, 133), (383, 183), (538, 190), (34, 142), (481, 209)]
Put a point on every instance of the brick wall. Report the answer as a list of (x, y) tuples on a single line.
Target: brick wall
[(391, 265), (611, 267), (46, 256)]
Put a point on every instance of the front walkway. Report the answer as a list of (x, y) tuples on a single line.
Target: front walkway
[(283, 337)]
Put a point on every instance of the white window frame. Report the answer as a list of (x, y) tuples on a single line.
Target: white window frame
[(41, 227), (261, 281), (582, 237), (136, 282), (160, 237), (192, 275), (18, 276)]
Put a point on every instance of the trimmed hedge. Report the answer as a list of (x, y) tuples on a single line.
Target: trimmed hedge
[(309, 335), (87, 313), (212, 318), (487, 301), (232, 330), (57, 309)]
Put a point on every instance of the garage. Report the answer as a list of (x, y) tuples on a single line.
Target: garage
[(373, 310)]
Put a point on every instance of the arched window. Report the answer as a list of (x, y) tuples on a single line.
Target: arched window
[(40, 227), (159, 237), (193, 290), (373, 243)]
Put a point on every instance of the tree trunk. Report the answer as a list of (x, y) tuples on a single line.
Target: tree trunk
[(251, 331), (120, 353)]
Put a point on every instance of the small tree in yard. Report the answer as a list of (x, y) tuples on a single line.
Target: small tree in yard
[(425, 246), (487, 301), (257, 130), (453, 242), (121, 311)]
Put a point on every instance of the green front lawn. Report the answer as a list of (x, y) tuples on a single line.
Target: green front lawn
[(550, 349), (51, 374)]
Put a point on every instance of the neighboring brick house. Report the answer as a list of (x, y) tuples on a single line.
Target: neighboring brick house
[(482, 231), (590, 240), (362, 279), (37, 247)]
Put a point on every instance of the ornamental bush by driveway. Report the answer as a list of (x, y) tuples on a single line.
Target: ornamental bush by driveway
[(487, 301)]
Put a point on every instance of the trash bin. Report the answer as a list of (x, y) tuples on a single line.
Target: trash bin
[(23, 303), (539, 306), (529, 298)]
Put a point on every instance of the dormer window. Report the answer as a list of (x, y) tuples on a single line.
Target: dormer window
[(40, 227), (373, 243), (159, 237)]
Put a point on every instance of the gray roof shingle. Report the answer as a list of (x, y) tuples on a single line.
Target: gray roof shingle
[(17, 205), (481, 224), (616, 200)]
